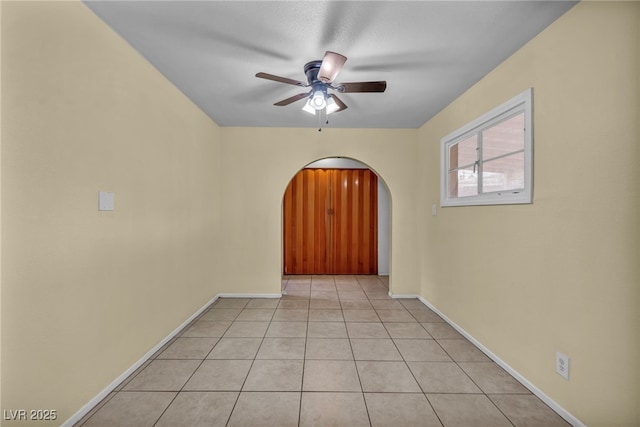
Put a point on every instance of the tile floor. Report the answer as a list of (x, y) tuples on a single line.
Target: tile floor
[(333, 351)]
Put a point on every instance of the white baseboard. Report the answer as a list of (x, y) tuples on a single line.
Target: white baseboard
[(248, 295), (535, 390), (403, 296)]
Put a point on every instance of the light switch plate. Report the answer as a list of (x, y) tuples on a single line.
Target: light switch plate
[(106, 200)]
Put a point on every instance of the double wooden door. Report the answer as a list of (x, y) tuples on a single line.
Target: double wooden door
[(331, 222)]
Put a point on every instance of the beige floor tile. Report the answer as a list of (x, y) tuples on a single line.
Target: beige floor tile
[(206, 328), (235, 348), (345, 278), (291, 315), (374, 287), (391, 304), (134, 374), (274, 375), (299, 286), (189, 348), (297, 291), (323, 286), (325, 304), (331, 375), (421, 350), (199, 409), (247, 330), (231, 303), (333, 409), (352, 295), (328, 295), (442, 377), (131, 409), (425, 315), (527, 411), (95, 409), (327, 330), (163, 375), (369, 280), (378, 295), (389, 377), (221, 314), (348, 286), (355, 304), (413, 304), (400, 409), (328, 348), (219, 375), (255, 314), (463, 351), (266, 409), (362, 315), (263, 303), (492, 379), (325, 315), (287, 330), (464, 410), (366, 330), (291, 304), (395, 316), (301, 279), (282, 348), (406, 330), (441, 330), (374, 349), (323, 279)]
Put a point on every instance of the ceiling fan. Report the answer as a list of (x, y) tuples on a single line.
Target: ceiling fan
[(320, 77)]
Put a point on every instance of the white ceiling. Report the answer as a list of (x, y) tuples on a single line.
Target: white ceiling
[(429, 52)]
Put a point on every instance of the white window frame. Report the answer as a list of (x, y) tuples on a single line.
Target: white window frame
[(522, 103)]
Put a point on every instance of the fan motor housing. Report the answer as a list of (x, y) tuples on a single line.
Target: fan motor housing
[(311, 70)]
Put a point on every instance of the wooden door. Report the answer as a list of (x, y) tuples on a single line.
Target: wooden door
[(331, 222)]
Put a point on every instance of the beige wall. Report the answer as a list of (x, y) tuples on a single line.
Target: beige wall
[(85, 294), (258, 165), (561, 274)]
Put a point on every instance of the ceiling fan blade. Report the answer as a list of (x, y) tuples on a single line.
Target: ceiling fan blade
[(341, 105), (380, 86), (281, 79), (331, 65), (294, 98)]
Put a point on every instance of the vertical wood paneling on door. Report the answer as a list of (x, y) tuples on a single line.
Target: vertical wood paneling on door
[(355, 206), (319, 230), (330, 222)]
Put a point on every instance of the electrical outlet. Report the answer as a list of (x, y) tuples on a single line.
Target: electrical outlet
[(562, 365)]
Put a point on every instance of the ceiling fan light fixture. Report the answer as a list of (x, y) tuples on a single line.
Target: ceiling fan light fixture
[(332, 106), (318, 100), (309, 108), (331, 65)]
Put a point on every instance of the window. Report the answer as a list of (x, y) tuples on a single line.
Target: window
[(490, 160)]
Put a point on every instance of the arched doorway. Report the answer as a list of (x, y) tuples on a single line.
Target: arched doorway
[(336, 215)]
